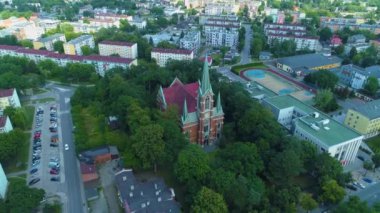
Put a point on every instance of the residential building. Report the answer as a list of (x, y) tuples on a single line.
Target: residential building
[(48, 42), (355, 76), (162, 55), (220, 32), (80, 27), (335, 41), (284, 29), (201, 118), (99, 155), (123, 49), (365, 118), (216, 9), (264, 55), (27, 30), (138, 22), (74, 47), (9, 97), (5, 124), (313, 61), (194, 3), (336, 24), (169, 11), (101, 63), (149, 196), (112, 16), (3, 183), (102, 23), (191, 41), (309, 124), (358, 38), (302, 42), (204, 18), (47, 24), (162, 36)]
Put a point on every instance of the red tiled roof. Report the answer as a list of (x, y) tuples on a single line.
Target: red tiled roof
[(89, 177), (118, 43), (209, 60), (87, 169), (33, 51), (6, 92), (177, 92), (3, 120), (109, 59), (9, 47), (174, 51)]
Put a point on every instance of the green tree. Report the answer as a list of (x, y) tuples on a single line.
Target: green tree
[(206, 200), (353, 52), (368, 165), (257, 46), (284, 166), (148, 145), (10, 143), (372, 85), (332, 192), (324, 79), (17, 116), (58, 46), (26, 43), (353, 205), (376, 160), (325, 34), (86, 50), (166, 44), (192, 164), (325, 101), (307, 202)]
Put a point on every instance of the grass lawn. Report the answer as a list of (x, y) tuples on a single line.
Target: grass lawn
[(29, 115), (374, 144), (21, 159), (38, 91), (238, 68)]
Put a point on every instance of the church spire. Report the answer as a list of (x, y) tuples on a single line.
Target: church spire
[(184, 111), (206, 85), (219, 104)]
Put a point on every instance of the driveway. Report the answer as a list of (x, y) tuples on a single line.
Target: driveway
[(107, 177)]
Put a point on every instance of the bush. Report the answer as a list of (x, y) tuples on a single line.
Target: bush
[(238, 68)]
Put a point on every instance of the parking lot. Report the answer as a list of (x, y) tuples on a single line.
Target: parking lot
[(46, 150)]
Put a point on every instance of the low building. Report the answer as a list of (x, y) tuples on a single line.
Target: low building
[(313, 61), (89, 174), (355, 76), (162, 55), (123, 49), (48, 42), (99, 155), (74, 47), (358, 38), (150, 196), (221, 8), (3, 183), (9, 97), (191, 41), (5, 124), (309, 124), (102, 23), (365, 118), (138, 22)]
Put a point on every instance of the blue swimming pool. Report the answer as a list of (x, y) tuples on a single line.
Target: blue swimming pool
[(255, 74), (286, 91)]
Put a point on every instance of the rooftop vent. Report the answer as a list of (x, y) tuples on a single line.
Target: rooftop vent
[(159, 199), (155, 186), (326, 128), (143, 205), (325, 121), (315, 114), (315, 127), (132, 187), (148, 203), (131, 194), (124, 178)]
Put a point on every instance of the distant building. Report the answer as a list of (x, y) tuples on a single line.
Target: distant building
[(309, 124), (355, 76), (3, 183), (365, 118), (336, 24), (314, 61), (103, 23), (264, 55), (150, 196), (5, 124), (162, 55), (9, 97), (191, 41), (335, 41), (48, 42), (47, 24), (201, 118), (123, 49), (285, 29), (221, 32), (138, 22), (99, 155), (358, 38), (112, 16), (221, 9), (74, 47)]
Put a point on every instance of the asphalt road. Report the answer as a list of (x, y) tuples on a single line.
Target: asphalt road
[(246, 52), (370, 194), (74, 185)]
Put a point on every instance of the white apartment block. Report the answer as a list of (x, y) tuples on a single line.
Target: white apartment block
[(138, 22), (103, 23), (5, 124), (284, 29), (9, 97), (74, 46), (221, 9), (3, 183), (48, 42), (112, 16), (100, 63), (302, 42), (162, 55), (47, 24), (191, 41), (309, 124), (123, 49), (221, 32)]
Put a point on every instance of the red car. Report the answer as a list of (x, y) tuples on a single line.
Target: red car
[(54, 172)]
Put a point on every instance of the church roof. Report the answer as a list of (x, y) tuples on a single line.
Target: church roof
[(177, 92)]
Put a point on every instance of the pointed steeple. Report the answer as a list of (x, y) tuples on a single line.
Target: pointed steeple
[(205, 84), (219, 104), (184, 111)]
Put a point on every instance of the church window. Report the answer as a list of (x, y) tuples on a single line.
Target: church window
[(207, 103), (205, 128)]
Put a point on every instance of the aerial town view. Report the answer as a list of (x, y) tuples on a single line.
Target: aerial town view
[(194, 106)]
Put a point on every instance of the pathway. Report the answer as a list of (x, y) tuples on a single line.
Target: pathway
[(15, 174)]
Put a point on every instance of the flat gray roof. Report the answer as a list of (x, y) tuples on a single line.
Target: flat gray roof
[(370, 109), (309, 60)]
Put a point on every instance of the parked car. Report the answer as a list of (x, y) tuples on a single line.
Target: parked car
[(368, 180), (54, 159), (53, 145), (36, 157), (54, 179), (361, 158), (66, 146), (360, 185), (36, 180), (352, 187), (33, 171), (54, 172)]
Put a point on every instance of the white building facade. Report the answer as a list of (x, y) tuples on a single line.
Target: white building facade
[(162, 56), (123, 49), (191, 41), (3, 183), (5, 124)]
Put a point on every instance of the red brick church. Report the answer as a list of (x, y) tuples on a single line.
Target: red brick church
[(201, 117)]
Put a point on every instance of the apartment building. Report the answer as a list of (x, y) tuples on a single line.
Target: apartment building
[(221, 8), (123, 49), (284, 29), (103, 23), (336, 24), (48, 42), (84, 28), (221, 32), (309, 124), (5, 125), (3, 183), (138, 22), (162, 55), (356, 77), (74, 46), (112, 16), (101, 63), (302, 42), (9, 97), (365, 118), (191, 41)]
